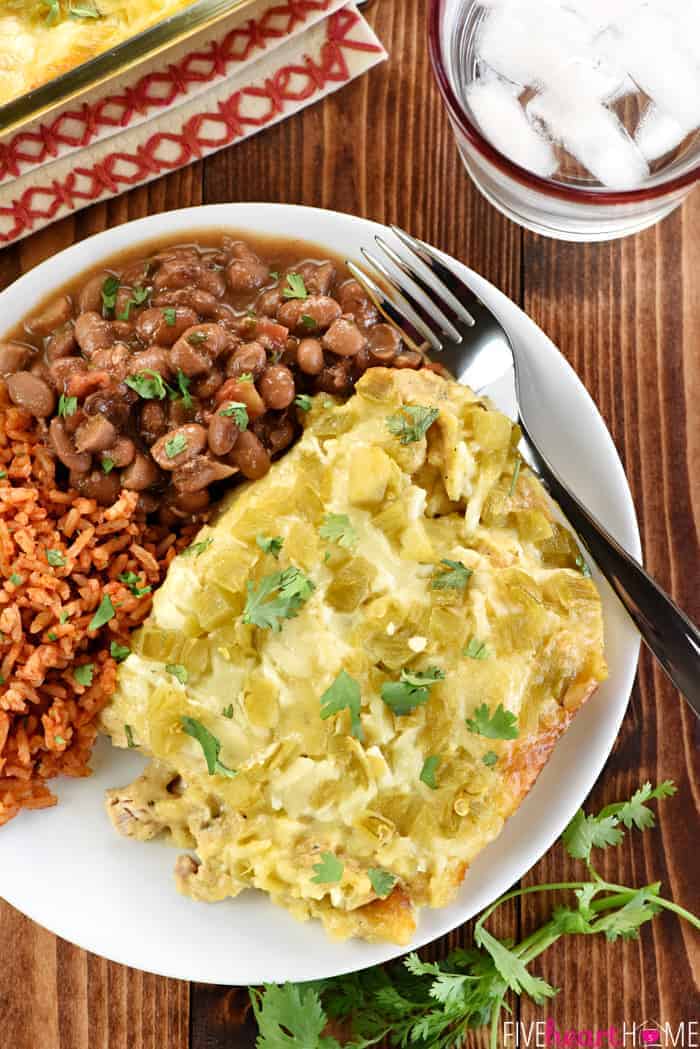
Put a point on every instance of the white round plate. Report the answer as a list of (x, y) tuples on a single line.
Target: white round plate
[(67, 869)]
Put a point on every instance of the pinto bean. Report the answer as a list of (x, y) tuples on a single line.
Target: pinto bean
[(81, 384), (153, 324), (14, 356), (90, 297), (222, 433), (179, 414), (93, 333), (95, 435), (179, 273), (154, 420), (193, 502), (268, 302), (280, 435), (408, 359), (114, 402), (51, 317), (114, 359), (61, 371), (136, 273), (189, 360), (246, 272), (200, 472), (207, 386), (354, 300), (31, 393), (61, 343), (277, 387), (198, 346), (122, 452), (148, 503), (154, 359), (195, 299), (310, 356), (245, 392), (103, 488), (320, 308), (250, 358), (65, 449), (250, 456), (384, 343), (191, 436), (335, 379), (344, 338), (317, 276), (140, 474)]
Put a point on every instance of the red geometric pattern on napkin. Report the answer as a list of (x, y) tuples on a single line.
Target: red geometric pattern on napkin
[(199, 135), (77, 128)]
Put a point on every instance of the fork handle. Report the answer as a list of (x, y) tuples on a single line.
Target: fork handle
[(664, 628)]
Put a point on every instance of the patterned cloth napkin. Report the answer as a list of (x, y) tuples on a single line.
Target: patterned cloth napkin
[(253, 69)]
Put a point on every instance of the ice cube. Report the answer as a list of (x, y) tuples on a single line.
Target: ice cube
[(658, 133), (593, 135), (501, 117), (649, 47)]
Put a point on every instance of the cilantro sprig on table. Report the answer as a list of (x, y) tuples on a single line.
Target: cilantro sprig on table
[(432, 1005)]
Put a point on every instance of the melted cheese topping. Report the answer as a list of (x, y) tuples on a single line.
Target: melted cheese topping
[(34, 51), (306, 786)]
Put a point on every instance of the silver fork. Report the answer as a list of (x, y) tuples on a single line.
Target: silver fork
[(431, 303)]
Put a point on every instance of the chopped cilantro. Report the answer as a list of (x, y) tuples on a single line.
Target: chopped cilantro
[(411, 690), (55, 558), (104, 613), (175, 445), (583, 566), (16, 579), (84, 674), (277, 596), (52, 635), (476, 649), (129, 733), (137, 298), (411, 422), (329, 870), (271, 545), (503, 724), (110, 287), (63, 616), (67, 405), (245, 377), (344, 694), (183, 385), (3, 475), (177, 671), (210, 746), (295, 289), (303, 402), (428, 771), (148, 384), (195, 549), (307, 321), (274, 275), (132, 583), (170, 316), (197, 338), (455, 577), (382, 881), (237, 411), (490, 758), (337, 528), (228, 711), (107, 464), (119, 652), (60, 740)]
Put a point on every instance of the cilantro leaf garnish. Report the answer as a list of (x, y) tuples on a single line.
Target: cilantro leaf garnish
[(132, 583), (455, 576), (344, 694), (81, 10), (183, 386), (210, 746), (148, 384), (227, 712), (103, 614), (428, 771), (55, 558), (411, 690), (107, 464), (119, 652), (175, 445), (337, 528), (295, 288), (170, 316), (270, 544), (278, 596), (503, 724), (110, 287), (382, 881), (476, 649), (303, 402), (67, 405), (583, 566), (411, 422), (137, 298), (16, 579), (238, 412), (84, 674), (329, 870), (490, 758), (129, 733), (196, 338), (195, 549), (177, 671)]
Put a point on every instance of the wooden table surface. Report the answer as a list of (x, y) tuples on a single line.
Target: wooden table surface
[(627, 317)]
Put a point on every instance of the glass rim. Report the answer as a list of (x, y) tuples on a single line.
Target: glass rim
[(509, 167)]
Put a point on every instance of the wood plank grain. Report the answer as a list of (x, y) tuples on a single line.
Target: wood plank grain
[(627, 316)]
